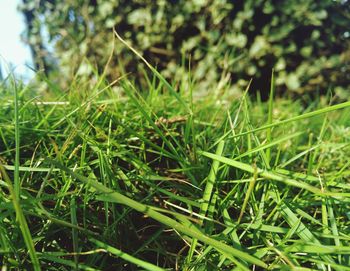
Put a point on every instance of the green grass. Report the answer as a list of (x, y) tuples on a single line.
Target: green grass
[(108, 177)]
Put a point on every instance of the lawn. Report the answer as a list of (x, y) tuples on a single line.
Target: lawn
[(112, 177)]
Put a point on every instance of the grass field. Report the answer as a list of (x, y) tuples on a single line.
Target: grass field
[(105, 177)]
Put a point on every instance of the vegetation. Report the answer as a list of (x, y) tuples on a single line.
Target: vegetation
[(105, 177), (108, 163), (306, 42)]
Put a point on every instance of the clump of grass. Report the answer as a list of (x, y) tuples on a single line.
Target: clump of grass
[(113, 178)]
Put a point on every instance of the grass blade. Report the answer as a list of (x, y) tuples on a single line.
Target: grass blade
[(263, 173), (22, 221), (126, 257), (269, 120), (207, 195)]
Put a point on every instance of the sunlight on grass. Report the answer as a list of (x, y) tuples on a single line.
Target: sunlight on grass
[(112, 177)]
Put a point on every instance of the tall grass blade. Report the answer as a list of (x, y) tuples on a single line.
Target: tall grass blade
[(22, 221), (269, 120), (126, 256)]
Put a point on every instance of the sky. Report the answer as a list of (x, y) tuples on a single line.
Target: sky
[(12, 50)]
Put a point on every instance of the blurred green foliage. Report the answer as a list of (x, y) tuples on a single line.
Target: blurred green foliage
[(307, 42)]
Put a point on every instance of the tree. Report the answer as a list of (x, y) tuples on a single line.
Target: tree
[(306, 42)]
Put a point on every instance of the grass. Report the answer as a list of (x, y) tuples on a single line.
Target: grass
[(105, 177)]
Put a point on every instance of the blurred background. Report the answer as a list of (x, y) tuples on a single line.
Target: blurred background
[(224, 43), (14, 53)]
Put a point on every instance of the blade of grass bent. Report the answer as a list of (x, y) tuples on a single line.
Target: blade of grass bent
[(281, 122), (126, 257), (50, 257), (269, 145), (263, 173), (319, 249), (223, 248), (300, 117)]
